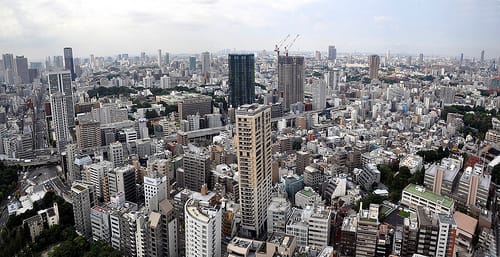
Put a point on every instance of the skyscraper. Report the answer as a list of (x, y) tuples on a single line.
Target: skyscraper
[(291, 80), (167, 59), (61, 82), (241, 79), (205, 63), (192, 62), (421, 59), (159, 58), (332, 53), (84, 198), (68, 61), (8, 61), (59, 118), (482, 56), (461, 59), (374, 63), (253, 140), (21, 69)]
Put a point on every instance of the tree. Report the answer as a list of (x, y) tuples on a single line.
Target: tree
[(297, 145), (151, 114)]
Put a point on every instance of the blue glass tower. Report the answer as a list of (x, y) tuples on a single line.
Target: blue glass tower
[(241, 79)]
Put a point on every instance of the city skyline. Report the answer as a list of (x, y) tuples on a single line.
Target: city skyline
[(210, 25)]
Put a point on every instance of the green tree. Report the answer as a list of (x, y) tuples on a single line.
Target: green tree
[(297, 145), (151, 114)]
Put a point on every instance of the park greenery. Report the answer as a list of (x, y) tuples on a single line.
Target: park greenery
[(477, 120), (8, 180), (167, 91), (495, 174), (397, 178), (15, 239), (431, 156), (110, 91)]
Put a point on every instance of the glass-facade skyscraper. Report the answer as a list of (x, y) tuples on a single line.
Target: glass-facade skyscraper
[(68, 61), (241, 79)]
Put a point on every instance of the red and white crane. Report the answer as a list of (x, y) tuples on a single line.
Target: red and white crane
[(290, 45), (280, 44)]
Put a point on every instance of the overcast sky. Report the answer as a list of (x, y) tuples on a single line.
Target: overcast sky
[(39, 28)]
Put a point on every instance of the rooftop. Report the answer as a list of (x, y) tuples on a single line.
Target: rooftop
[(430, 196), (465, 222)]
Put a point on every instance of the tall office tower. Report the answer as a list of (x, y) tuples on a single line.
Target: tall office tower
[(8, 63), (409, 61), (205, 63), (84, 198), (241, 79), (61, 82), (367, 231), (154, 190), (332, 53), (196, 168), (319, 94), (115, 154), (388, 57), (159, 58), (68, 62), (421, 59), (92, 62), (88, 134), (447, 235), (482, 56), (21, 69), (96, 174), (374, 63), (59, 118), (167, 58), (291, 80), (192, 62), (122, 179), (461, 59), (253, 140), (203, 229)]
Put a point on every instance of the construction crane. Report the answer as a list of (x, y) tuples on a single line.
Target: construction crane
[(280, 44), (290, 45)]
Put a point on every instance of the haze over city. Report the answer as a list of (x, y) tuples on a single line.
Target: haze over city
[(449, 27)]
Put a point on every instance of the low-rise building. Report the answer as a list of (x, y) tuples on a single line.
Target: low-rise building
[(414, 196)]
